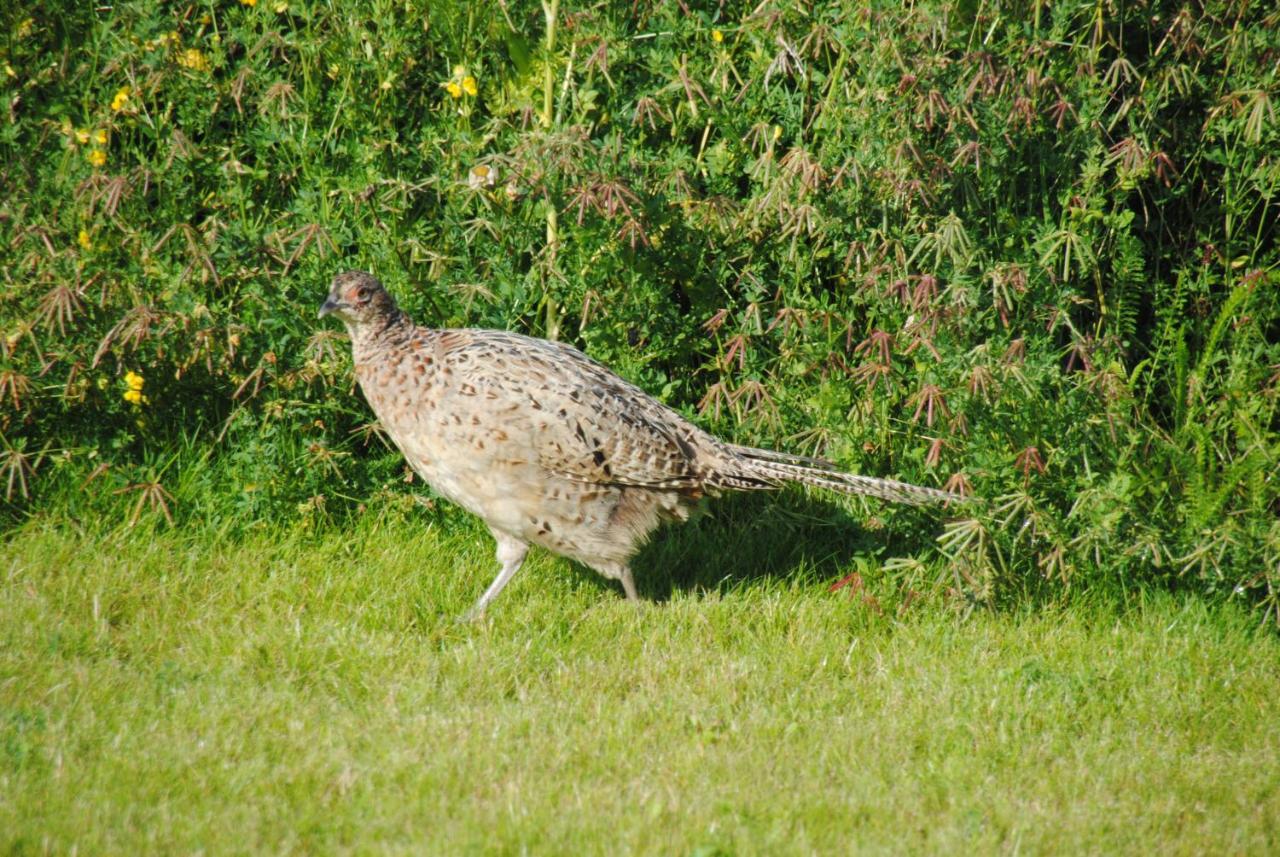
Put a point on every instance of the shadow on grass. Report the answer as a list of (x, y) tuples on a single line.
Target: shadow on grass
[(742, 538)]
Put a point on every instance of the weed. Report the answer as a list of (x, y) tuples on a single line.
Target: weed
[(1032, 255)]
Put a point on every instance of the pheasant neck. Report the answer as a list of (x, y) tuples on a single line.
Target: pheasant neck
[(387, 332)]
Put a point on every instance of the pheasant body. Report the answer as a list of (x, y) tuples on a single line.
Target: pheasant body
[(490, 421), (546, 445)]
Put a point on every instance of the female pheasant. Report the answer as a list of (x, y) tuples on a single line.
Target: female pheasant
[(548, 446)]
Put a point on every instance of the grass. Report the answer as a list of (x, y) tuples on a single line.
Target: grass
[(1033, 255), (285, 692)]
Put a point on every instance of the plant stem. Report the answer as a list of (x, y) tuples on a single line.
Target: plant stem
[(550, 8)]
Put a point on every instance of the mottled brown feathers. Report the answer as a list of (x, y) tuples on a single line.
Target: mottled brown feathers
[(548, 446)]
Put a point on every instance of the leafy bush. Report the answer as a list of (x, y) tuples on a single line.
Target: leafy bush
[(1031, 256)]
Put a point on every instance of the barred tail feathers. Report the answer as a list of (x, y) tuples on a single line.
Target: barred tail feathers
[(760, 469), (775, 457)]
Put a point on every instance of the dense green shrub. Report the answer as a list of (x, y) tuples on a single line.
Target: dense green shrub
[(1026, 254)]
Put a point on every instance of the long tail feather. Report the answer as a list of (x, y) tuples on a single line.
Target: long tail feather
[(783, 458), (761, 469)]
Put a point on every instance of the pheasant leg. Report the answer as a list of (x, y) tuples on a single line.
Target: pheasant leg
[(510, 554)]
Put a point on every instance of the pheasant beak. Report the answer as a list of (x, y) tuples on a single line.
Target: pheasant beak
[(330, 305)]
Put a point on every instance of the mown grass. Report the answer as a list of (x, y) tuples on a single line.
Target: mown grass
[(1028, 253), (286, 692)]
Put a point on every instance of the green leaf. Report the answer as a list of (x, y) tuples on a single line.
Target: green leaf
[(518, 51)]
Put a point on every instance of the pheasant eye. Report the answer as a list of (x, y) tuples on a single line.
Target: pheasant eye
[(362, 294)]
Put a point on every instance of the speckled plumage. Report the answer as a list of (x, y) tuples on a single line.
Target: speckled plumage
[(547, 446)]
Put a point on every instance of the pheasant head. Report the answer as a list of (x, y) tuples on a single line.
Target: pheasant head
[(361, 302)]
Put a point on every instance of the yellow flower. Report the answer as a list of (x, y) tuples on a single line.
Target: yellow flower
[(121, 99), (8, 69), (777, 132), (717, 36), (84, 240), (100, 136), (133, 380), (281, 8), (453, 89), (97, 157), (469, 85), (248, 2), (134, 397), (194, 59), (481, 175), (82, 136)]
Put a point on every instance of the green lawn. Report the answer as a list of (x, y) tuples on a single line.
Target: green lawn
[(281, 693)]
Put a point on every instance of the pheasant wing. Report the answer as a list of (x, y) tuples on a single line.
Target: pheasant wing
[(584, 422)]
